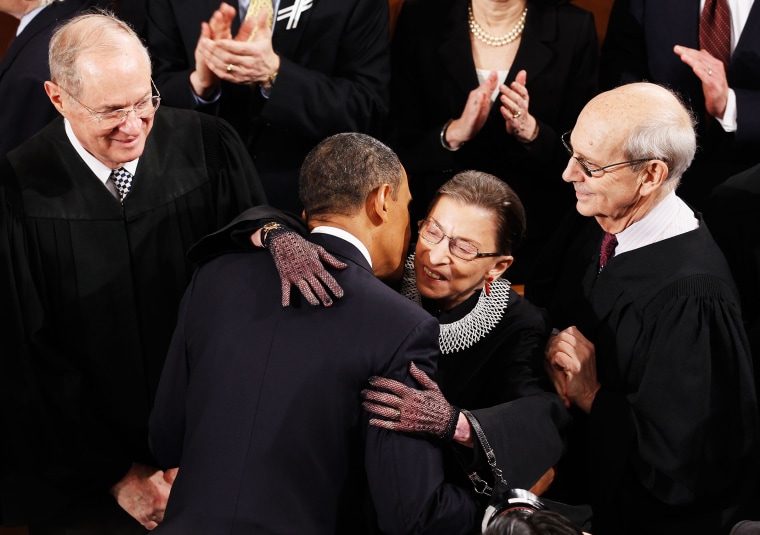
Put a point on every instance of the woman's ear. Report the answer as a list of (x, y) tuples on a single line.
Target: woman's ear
[(499, 267)]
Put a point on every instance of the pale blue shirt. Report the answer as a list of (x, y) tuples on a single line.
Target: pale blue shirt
[(26, 19)]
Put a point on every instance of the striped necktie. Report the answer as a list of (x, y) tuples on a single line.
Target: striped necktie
[(715, 29), (607, 251)]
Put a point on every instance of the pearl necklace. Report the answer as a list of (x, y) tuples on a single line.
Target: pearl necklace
[(493, 40)]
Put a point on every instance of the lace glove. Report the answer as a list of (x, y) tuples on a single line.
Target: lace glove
[(407, 409), (301, 263)]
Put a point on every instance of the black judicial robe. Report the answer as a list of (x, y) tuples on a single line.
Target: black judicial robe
[(94, 297), (504, 368), (671, 443)]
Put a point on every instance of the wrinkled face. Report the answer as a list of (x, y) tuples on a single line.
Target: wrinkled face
[(445, 278), (613, 196), (110, 82), (397, 234)]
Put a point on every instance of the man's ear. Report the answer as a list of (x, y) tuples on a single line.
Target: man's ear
[(378, 204), (54, 93), (653, 176)]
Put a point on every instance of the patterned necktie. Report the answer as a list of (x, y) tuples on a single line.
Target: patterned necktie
[(715, 29), (607, 251), (255, 7), (123, 181)]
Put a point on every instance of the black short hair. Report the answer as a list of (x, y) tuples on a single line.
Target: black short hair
[(339, 173)]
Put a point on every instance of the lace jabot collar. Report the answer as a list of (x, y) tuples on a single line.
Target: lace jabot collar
[(477, 323)]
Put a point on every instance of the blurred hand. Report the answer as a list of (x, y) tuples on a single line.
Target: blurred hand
[(248, 58), (571, 364), (410, 410), (515, 103), (143, 493), (712, 74), (203, 80), (474, 114)]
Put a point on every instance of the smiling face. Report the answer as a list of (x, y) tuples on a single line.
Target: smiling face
[(445, 278), (615, 198), (110, 81)]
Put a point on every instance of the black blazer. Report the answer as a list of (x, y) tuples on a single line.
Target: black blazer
[(260, 407), (24, 106), (639, 46), (333, 78), (433, 74)]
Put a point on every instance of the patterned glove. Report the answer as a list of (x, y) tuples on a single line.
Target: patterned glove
[(300, 263), (407, 409)]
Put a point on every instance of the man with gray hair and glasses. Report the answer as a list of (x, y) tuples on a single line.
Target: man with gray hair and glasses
[(99, 209), (652, 356)]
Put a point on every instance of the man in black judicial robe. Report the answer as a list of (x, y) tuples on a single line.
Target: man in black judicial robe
[(652, 357), (91, 285)]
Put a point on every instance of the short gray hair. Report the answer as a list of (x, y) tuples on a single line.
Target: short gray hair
[(669, 136), (338, 175), (90, 31)]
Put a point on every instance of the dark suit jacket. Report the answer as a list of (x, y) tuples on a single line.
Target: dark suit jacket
[(260, 407), (433, 74), (639, 46), (333, 78), (24, 106), (734, 219)]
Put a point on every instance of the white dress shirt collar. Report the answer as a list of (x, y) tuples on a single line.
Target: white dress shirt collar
[(350, 238), (101, 171), (26, 19), (669, 218)]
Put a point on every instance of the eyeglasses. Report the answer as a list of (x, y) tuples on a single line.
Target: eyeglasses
[(108, 120), (433, 234), (599, 171)]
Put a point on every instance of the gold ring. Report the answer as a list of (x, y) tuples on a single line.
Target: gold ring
[(517, 115), (229, 68)]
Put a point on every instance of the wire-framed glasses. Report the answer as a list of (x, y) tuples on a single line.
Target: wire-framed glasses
[(433, 234), (145, 109), (597, 171)]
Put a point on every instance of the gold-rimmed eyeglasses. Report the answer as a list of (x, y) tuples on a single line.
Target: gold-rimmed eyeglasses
[(433, 234), (145, 109), (597, 171)]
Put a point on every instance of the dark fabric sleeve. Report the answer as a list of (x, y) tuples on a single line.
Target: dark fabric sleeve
[(405, 472), (26, 107), (233, 237), (686, 431), (172, 52), (747, 117), (352, 99), (227, 159), (167, 420), (526, 435), (624, 50), (520, 355)]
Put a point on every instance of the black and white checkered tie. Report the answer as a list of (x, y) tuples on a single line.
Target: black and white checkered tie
[(123, 181)]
